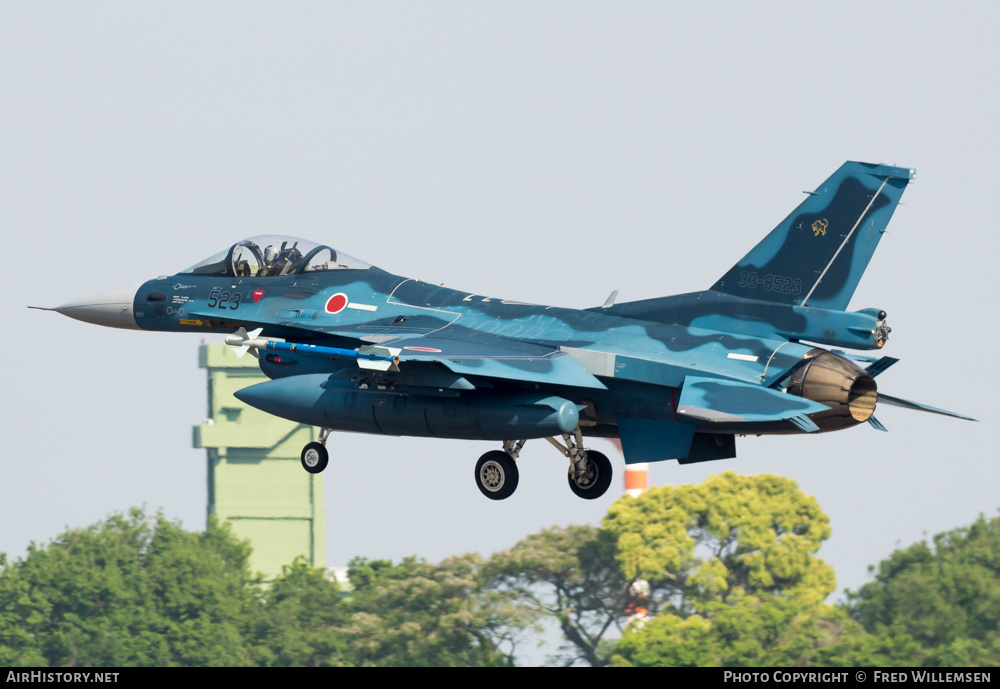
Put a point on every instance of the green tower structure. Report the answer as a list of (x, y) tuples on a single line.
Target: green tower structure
[(255, 481)]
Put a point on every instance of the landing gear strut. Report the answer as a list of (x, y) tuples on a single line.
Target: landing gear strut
[(589, 470), (314, 455)]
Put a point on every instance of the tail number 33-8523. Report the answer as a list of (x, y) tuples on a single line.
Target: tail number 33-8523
[(218, 299)]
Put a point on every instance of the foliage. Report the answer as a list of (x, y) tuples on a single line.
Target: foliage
[(727, 569), (944, 596), (729, 536), (140, 591), (735, 558), (302, 621), (723, 573), (419, 614), (128, 591), (570, 575), (748, 631), (732, 573)]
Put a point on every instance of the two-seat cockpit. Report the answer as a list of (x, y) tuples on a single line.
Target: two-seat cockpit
[(274, 256)]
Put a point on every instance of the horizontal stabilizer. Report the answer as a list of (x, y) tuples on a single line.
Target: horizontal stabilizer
[(707, 401), (876, 424), (906, 404)]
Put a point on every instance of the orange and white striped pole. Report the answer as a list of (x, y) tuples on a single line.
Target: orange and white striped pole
[(636, 478), (636, 475)]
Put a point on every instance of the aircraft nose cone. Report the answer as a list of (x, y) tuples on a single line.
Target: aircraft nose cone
[(112, 308)]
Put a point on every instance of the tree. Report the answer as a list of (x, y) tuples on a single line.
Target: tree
[(729, 536), (732, 559), (419, 614), (570, 575), (303, 620), (732, 574), (748, 631), (128, 591), (944, 597), (139, 591)]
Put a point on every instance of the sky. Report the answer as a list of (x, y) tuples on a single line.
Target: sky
[(543, 152)]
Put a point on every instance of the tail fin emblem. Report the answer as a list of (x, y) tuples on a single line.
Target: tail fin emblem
[(819, 227)]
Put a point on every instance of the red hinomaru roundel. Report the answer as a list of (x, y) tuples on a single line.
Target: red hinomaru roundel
[(336, 303)]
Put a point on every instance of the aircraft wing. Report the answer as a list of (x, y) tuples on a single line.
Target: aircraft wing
[(467, 353), (715, 401), (489, 356)]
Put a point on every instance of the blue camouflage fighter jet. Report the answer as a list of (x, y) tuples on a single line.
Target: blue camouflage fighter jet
[(351, 347)]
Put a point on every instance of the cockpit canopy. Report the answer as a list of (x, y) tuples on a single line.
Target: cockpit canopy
[(273, 256)]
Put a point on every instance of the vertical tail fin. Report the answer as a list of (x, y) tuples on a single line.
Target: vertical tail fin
[(817, 255)]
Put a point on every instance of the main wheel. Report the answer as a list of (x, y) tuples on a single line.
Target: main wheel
[(595, 480), (314, 458), (496, 475)]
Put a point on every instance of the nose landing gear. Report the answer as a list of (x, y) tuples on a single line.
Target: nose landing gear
[(315, 456)]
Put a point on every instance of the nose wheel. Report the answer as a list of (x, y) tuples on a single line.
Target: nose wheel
[(315, 456)]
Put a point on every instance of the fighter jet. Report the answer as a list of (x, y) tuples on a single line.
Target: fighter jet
[(350, 347)]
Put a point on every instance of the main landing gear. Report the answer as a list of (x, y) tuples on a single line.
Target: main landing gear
[(589, 470), (496, 472), (315, 456)]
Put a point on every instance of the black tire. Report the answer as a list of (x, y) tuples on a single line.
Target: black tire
[(496, 475), (314, 458), (597, 479)]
